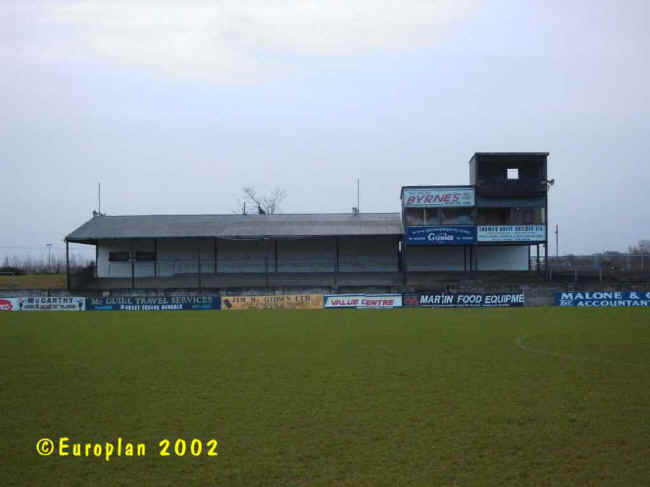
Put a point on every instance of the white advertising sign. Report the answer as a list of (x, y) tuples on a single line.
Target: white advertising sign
[(451, 196), (510, 233), (47, 303), (363, 301)]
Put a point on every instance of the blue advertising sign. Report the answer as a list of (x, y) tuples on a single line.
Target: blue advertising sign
[(460, 300), (157, 303), (449, 235), (603, 299)]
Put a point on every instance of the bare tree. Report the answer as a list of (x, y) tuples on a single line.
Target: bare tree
[(264, 204), (643, 248)]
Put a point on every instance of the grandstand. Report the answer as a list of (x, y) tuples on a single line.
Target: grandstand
[(490, 225)]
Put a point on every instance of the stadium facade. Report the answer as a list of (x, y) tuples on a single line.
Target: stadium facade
[(492, 224)]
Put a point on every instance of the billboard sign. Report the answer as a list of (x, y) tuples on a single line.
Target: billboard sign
[(449, 196), (280, 301), (43, 303), (8, 304), (603, 299), (157, 303), (446, 235), (362, 301), (461, 300), (511, 233)]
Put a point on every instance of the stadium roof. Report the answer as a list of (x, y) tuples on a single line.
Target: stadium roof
[(237, 226)]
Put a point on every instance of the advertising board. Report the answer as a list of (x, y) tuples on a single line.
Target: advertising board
[(603, 299), (432, 197), (511, 233), (8, 304), (458, 300), (444, 235), (280, 301), (361, 301), (43, 303), (156, 303)]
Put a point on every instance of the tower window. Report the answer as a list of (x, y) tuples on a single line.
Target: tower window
[(513, 173)]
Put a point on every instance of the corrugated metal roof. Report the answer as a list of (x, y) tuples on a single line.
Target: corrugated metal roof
[(237, 226)]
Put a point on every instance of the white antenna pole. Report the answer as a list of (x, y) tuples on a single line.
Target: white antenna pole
[(99, 198), (358, 205)]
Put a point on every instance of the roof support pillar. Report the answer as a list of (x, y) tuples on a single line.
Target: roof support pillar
[(546, 259), (266, 262), (67, 263), (132, 259), (405, 265), (216, 255), (337, 261), (275, 255)]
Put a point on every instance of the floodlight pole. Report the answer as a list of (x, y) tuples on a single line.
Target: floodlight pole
[(49, 257)]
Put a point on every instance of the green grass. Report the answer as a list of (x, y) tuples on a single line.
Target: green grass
[(322, 398), (33, 281)]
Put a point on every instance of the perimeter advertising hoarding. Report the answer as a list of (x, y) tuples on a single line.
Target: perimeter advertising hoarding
[(363, 301), (43, 303), (157, 303), (603, 299), (459, 300), (280, 301), (447, 235), (449, 196), (8, 304), (511, 233)]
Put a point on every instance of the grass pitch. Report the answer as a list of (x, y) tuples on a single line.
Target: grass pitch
[(522, 397)]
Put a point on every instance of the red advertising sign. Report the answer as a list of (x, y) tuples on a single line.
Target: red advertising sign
[(8, 304)]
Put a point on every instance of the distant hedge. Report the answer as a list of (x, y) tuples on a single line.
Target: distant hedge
[(12, 270)]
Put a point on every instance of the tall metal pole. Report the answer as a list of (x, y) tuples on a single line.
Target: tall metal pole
[(557, 241), (49, 257), (99, 198), (358, 204), (67, 263)]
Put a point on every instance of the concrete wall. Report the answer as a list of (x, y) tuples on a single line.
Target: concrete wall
[(236, 256), (112, 269), (307, 255), (368, 254), (181, 256), (105, 268), (501, 258), (435, 258)]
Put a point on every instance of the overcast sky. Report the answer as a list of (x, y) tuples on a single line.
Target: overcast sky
[(174, 106)]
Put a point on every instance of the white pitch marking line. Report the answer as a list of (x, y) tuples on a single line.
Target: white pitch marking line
[(519, 341)]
